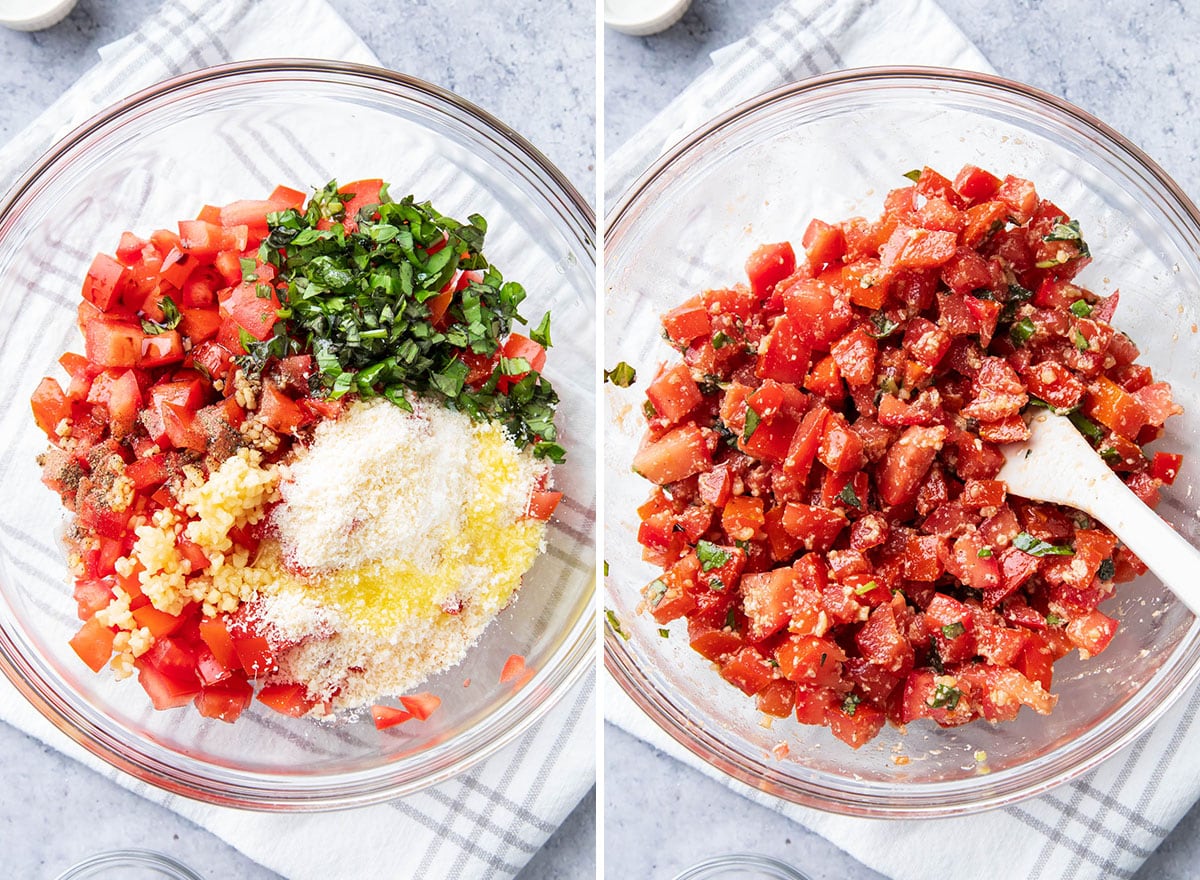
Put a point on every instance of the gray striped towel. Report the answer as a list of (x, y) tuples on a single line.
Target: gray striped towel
[(1098, 827), (487, 822)]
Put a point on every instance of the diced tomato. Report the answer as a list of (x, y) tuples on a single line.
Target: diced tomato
[(165, 691), (678, 454), (816, 527), (103, 283), (855, 728), (674, 394), (364, 194), (225, 701), (113, 343), (215, 633), (255, 655), (823, 244), (389, 716), (769, 265), (748, 670), (1165, 466), (810, 660), (819, 313), (907, 461), (252, 313), (50, 406), (421, 705), (543, 504), (287, 699), (278, 411), (687, 322), (777, 699), (94, 644), (514, 668)]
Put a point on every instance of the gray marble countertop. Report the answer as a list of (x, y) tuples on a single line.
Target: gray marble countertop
[(1134, 66), (55, 811)]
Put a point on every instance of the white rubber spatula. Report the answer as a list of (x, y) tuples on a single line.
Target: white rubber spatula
[(1057, 465)]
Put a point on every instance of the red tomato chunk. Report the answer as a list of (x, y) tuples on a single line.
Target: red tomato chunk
[(826, 509)]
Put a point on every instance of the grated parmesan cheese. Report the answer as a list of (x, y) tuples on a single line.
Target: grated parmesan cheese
[(411, 532)]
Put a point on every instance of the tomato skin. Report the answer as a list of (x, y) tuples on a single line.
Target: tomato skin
[(1165, 466)]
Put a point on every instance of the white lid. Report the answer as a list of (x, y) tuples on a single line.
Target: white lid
[(33, 15), (643, 17)]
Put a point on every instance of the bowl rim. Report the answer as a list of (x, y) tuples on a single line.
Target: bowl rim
[(522, 711), (619, 661)]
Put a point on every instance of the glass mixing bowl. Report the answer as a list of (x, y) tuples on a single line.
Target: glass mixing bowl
[(235, 132), (831, 147)]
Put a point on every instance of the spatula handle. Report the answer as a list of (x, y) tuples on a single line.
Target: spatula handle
[(1164, 551)]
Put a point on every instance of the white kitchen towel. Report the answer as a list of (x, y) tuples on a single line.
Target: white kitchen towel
[(1099, 827), (486, 823)]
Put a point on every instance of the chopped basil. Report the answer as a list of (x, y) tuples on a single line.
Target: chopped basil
[(655, 592), (850, 703), (716, 584), (171, 318), (362, 302), (1086, 426), (1069, 231), (615, 623), (984, 553), (945, 697), (1053, 619), (1035, 547), (606, 568), (884, 326), (913, 175), (731, 620), (935, 658), (1081, 309), (1017, 293), (249, 269), (744, 546), (541, 333), (1079, 339), (720, 340), (648, 409), (848, 496), (1107, 570), (664, 632), (622, 375), (863, 589), (752, 422), (711, 556), (953, 630), (1021, 331), (1109, 454)]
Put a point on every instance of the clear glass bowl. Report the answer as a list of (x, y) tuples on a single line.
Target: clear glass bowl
[(740, 866), (129, 864), (235, 132), (832, 147)]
